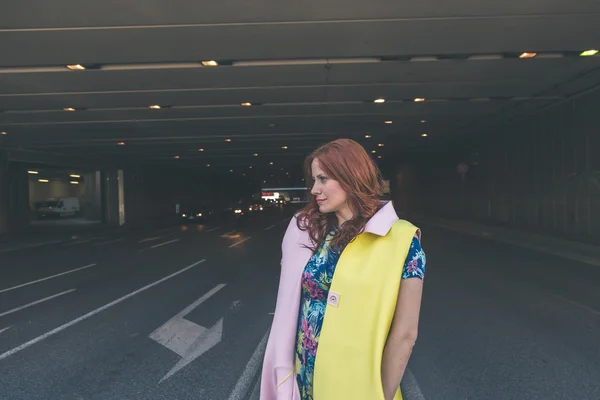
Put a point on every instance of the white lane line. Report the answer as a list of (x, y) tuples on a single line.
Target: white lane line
[(5, 329), (14, 310), (244, 384), (46, 278), (240, 242), (109, 242), (79, 242), (576, 304), (162, 244), (92, 313), (410, 387), (214, 229), (270, 227), (150, 239)]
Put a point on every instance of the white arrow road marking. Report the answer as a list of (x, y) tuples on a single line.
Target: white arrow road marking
[(5, 329), (92, 313), (14, 310), (149, 239), (46, 278), (187, 339)]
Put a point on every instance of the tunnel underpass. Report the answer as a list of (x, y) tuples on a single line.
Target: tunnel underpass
[(151, 158)]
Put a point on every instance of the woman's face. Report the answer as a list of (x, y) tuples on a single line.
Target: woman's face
[(329, 194)]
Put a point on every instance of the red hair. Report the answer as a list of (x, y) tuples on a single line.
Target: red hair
[(347, 162)]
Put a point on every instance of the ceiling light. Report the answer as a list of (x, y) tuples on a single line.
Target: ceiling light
[(271, 163), (200, 149), (589, 53), (284, 147), (75, 176), (177, 157), (69, 109), (528, 55), (74, 183), (367, 136), (32, 172), (75, 67), (154, 107), (121, 143), (255, 154), (3, 133), (230, 170), (208, 165), (246, 104), (380, 145), (424, 135), (380, 157), (250, 167), (389, 122), (419, 100), (43, 180), (373, 151), (379, 101), (228, 140), (423, 121), (210, 63)]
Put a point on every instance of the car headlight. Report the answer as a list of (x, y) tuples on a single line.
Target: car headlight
[(238, 211), (199, 215)]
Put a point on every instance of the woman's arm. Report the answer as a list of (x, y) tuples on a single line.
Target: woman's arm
[(403, 335)]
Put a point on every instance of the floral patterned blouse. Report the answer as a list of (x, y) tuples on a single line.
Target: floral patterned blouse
[(316, 281)]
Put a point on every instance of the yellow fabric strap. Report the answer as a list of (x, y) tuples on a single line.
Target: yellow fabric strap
[(366, 283)]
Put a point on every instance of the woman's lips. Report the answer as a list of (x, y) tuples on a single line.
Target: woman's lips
[(320, 201)]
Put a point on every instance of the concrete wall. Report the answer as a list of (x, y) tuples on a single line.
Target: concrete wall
[(14, 194), (541, 173)]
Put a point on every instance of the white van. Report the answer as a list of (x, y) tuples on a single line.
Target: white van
[(58, 207)]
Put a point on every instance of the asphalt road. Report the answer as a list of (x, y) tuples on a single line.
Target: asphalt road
[(179, 313)]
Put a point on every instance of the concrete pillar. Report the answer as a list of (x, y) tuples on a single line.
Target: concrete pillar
[(4, 195), (113, 197), (14, 197), (92, 204)]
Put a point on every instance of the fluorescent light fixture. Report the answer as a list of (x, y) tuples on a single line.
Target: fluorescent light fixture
[(210, 63), (423, 58), (271, 163), (528, 55), (32, 172), (121, 143), (284, 147), (250, 167), (368, 136), (3, 133), (43, 180), (69, 109), (75, 67), (380, 157), (154, 107), (74, 183), (379, 101), (74, 176), (373, 151), (423, 121), (246, 104), (380, 145), (419, 99), (388, 122), (148, 66), (228, 140), (208, 165), (589, 53), (230, 170), (178, 157), (487, 57), (255, 154), (424, 135), (200, 149)]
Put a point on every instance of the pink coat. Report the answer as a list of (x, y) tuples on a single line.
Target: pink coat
[(278, 379)]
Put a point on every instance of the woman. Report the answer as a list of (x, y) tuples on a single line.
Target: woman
[(350, 289)]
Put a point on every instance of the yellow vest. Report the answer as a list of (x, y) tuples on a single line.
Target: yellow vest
[(361, 305)]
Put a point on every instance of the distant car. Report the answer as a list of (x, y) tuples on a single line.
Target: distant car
[(198, 215)]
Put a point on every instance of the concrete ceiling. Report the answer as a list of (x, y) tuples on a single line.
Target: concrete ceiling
[(311, 69)]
